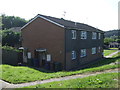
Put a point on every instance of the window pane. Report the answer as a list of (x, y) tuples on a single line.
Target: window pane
[(73, 55), (93, 50), (83, 53), (99, 35), (94, 35), (73, 34), (83, 34)]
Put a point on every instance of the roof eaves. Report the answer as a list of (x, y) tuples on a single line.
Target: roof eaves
[(39, 16), (29, 22), (70, 28)]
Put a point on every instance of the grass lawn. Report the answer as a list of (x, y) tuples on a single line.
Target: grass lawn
[(113, 48), (21, 74), (108, 52), (117, 55), (106, 80)]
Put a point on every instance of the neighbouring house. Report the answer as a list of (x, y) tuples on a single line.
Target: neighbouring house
[(114, 45), (53, 40), (15, 29)]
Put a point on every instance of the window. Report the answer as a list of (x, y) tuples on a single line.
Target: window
[(48, 57), (73, 34), (99, 35), (94, 35), (83, 35), (29, 55), (73, 55), (94, 50), (83, 53), (99, 49)]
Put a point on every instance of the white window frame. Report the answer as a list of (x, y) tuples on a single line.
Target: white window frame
[(83, 53), (83, 35), (94, 35), (73, 55), (29, 55), (74, 34), (99, 36), (48, 57), (94, 50)]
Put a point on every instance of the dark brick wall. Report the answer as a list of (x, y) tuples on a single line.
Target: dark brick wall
[(43, 34), (78, 44)]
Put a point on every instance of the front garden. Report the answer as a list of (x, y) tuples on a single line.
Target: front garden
[(22, 74)]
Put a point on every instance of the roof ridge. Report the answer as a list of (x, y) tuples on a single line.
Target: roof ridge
[(65, 23), (68, 21)]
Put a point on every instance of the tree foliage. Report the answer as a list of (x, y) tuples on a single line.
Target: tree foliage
[(9, 48), (110, 33), (12, 21), (10, 38), (108, 40)]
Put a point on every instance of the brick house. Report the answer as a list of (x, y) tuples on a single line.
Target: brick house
[(50, 39)]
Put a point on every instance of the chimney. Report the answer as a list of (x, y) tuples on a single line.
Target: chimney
[(75, 23)]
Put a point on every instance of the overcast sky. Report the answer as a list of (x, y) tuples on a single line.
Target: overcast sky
[(102, 14)]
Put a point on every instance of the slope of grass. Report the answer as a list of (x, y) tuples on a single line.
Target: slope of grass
[(106, 80), (113, 48), (108, 52), (116, 55), (106, 61), (21, 74)]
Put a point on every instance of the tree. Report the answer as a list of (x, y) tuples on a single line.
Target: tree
[(10, 38), (12, 21), (108, 40), (0, 22)]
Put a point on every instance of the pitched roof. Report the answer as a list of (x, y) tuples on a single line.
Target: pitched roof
[(70, 24), (67, 23)]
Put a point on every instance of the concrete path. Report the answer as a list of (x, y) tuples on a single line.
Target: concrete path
[(112, 54), (7, 85)]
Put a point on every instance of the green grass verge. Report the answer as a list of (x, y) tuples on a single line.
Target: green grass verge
[(21, 74), (116, 55), (108, 52), (113, 48), (106, 80)]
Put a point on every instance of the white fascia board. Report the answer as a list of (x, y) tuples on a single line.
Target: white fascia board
[(29, 22), (44, 19)]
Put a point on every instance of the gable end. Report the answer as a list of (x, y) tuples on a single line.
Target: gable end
[(38, 16)]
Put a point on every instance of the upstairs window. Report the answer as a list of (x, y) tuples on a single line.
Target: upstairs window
[(94, 35), (83, 53), (99, 35), (83, 35), (94, 50), (73, 34), (73, 55)]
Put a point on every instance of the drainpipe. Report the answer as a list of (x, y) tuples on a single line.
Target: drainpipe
[(65, 50)]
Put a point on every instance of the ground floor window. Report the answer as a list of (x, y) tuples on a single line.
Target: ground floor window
[(73, 55), (29, 55), (99, 49), (25, 55), (48, 57), (94, 50), (83, 53)]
